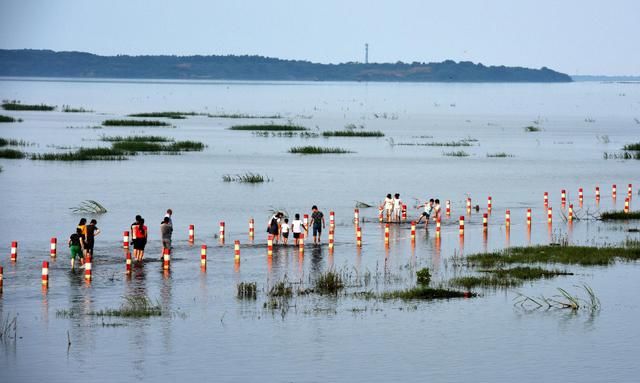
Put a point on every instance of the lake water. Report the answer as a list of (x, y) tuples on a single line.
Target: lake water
[(214, 336)]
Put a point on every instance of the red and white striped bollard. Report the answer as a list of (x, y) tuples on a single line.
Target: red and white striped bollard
[(125, 240), (45, 273), (53, 251), (14, 251), (192, 233)]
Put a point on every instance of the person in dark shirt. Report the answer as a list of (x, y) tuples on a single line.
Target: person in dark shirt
[(75, 246), (92, 232), (317, 222)]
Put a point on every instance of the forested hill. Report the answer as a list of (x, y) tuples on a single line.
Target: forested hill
[(46, 63)]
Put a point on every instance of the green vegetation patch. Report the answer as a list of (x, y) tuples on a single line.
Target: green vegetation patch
[(329, 283), (531, 128), (172, 115), (352, 133), (134, 123), (242, 115), (578, 255), (17, 105), (317, 150), (635, 146), (269, 128), (251, 178), (503, 278), (422, 292), (499, 155), (70, 109), (459, 153), (4, 118), (83, 154), (12, 154), (136, 139), (619, 215), (247, 290)]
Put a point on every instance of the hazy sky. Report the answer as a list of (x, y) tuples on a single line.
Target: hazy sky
[(573, 36)]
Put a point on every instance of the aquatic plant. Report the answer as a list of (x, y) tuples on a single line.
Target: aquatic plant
[(317, 150), (134, 307), (511, 277), (246, 290), (136, 139), (134, 123), (83, 154), (14, 142), (459, 153), (329, 282), (499, 155), (352, 133), (629, 155), (619, 215), (269, 127), (634, 146), (564, 300), (581, 255), (281, 289), (185, 146), (12, 154), (252, 178), (172, 115), (4, 118), (8, 327), (242, 115), (70, 109), (17, 105), (304, 134), (422, 292), (423, 276), (89, 207), (532, 129)]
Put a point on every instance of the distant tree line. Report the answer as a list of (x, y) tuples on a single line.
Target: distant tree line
[(46, 63)]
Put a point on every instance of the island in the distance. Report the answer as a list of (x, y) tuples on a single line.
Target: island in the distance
[(47, 63)]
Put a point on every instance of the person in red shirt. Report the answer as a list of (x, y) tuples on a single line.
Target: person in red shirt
[(140, 233)]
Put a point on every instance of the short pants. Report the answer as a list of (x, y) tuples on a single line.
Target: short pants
[(75, 251), (296, 235), (139, 244), (317, 230), (285, 235), (425, 214), (166, 243)]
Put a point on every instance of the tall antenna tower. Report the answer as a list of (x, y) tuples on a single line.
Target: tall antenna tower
[(366, 53)]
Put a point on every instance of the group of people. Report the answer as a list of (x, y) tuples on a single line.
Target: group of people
[(431, 208), (392, 207), (82, 241), (279, 227)]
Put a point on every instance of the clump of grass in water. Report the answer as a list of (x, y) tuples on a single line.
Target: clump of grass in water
[(4, 118), (632, 155), (251, 178), (242, 115), (70, 109), (269, 127), (172, 115), (423, 276), (317, 150), (83, 154), (531, 129), (328, 283), (89, 207), (134, 123), (12, 154), (515, 276), (17, 105), (8, 328), (134, 307), (565, 300), (425, 293), (619, 215), (635, 146), (459, 153), (136, 139), (246, 290), (352, 133), (499, 155), (14, 142), (580, 255), (281, 290)]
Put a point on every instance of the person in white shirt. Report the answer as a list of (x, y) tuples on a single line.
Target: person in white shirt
[(397, 207), (437, 211), (284, 230), (388, 206), (296, 227), (428, 209)]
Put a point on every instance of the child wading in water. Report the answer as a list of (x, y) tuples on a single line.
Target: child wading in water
[(284, 229), (297, 226), (75, 246), (388, 207)]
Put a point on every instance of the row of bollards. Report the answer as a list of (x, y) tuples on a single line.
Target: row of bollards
[(166, 255)]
